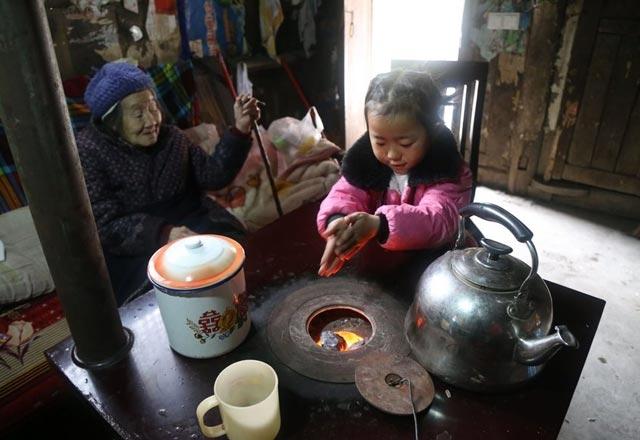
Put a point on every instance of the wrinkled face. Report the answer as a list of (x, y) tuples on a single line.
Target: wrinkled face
[(141, 118), (399, 141)]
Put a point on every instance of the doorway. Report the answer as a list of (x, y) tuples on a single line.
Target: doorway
[(378, 31)]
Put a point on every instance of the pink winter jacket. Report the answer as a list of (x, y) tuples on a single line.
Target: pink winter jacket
[(425, 215)]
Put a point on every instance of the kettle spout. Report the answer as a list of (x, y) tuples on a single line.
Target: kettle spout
[(538, 351)]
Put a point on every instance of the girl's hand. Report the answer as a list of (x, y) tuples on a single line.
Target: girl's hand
[(330, 263), (246, 112), (336, 228), (362, 228)]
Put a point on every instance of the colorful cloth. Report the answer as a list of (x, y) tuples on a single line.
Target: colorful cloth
[(11, 193), (79, 113), (176, 90)]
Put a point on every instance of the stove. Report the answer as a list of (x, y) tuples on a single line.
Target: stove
[(324, 329)]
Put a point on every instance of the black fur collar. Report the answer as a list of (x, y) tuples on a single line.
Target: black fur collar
[(361, 168)]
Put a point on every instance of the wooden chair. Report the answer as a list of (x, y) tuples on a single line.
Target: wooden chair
[(463, 84)]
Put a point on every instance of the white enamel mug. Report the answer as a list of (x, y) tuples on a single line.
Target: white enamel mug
[(246, 393)]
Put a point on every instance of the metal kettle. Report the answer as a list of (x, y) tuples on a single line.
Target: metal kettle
[(480, 318)]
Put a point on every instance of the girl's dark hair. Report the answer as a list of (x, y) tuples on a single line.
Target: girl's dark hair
[(405, 92)]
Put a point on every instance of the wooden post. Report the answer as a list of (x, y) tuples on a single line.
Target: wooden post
[(36, 120), (542, 47)]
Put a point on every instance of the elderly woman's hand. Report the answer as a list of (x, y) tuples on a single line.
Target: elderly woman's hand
[(246, 111), (180, 232)]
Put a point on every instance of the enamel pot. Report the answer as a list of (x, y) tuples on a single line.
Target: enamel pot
[(200, 289)]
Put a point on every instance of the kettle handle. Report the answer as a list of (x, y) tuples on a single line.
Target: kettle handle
[(494, 213), (520, 308)]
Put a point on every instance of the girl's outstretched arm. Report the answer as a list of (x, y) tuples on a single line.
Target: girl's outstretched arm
[(331, 263), (342, 200), (433, 220)]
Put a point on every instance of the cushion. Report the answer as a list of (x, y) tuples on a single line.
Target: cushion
[(26, 332), (24, 273)]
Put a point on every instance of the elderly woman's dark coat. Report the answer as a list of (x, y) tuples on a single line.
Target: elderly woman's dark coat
[(138, 194)]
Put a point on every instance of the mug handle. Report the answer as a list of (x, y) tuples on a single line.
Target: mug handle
[(204, 406)]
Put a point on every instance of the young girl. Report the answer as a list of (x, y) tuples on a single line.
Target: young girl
[(402, 182)]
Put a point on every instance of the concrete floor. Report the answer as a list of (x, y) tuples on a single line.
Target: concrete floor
[(595, 254)]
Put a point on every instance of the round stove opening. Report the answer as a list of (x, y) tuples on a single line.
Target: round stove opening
[(339, 328)]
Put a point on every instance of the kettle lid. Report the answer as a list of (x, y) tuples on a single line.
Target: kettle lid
[(490, 266), (195, 262)]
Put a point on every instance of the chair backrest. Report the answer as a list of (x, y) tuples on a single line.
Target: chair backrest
[(463, 84)]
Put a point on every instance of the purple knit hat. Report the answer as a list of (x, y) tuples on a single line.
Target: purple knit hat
[(112, 83)]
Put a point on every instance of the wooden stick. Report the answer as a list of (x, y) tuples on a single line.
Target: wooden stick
[(256, 130), (265, 159)]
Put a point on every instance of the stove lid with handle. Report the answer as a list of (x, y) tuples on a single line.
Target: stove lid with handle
[(196, 262)]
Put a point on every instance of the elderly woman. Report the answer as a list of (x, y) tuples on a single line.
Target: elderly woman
[(145, 179)]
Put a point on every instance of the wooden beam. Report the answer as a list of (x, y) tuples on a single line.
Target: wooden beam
[(559, 88), (602, 179), (585, 38), (629, 158), (539, 62), (33, 110), (619, 27), (593, 100), (621, 96), (608, 202)]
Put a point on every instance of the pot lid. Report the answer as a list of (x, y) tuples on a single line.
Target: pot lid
[(490, 266), (194, 262)]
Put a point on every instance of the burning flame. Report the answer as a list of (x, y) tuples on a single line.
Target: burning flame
[(350, 339)]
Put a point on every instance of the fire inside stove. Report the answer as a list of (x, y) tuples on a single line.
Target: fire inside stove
[(339, 328)]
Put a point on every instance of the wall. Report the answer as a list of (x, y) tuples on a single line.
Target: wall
[(320, 72), (562, 104), (88, 33), (521, 64)]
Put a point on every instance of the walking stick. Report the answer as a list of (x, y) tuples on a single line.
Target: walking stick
[(256, 130)]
